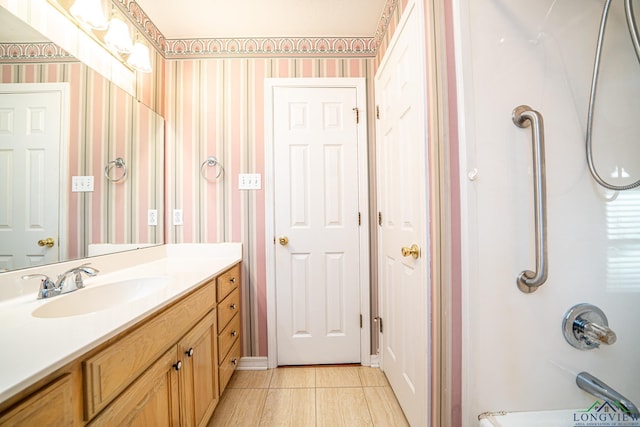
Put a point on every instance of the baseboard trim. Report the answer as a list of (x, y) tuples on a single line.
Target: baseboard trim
[(253, 364)]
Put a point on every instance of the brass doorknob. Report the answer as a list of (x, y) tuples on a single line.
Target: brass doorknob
[(414, 251), (284, 240), (48, 242)]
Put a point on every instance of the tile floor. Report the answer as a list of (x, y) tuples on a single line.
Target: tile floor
[(348, 396)]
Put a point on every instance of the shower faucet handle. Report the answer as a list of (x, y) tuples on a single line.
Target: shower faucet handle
[(594, 333), (585, 327)]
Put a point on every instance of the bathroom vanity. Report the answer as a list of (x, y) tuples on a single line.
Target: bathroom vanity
[(156, 357)]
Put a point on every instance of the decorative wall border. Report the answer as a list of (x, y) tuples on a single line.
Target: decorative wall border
[(34, 52), (385, 19), (280, 47)]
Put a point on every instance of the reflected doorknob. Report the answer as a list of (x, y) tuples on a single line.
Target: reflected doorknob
[(48, 242), (284, 240), (414, 251)]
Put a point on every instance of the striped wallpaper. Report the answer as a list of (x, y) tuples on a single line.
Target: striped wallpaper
[(216, 107), (105, 123)]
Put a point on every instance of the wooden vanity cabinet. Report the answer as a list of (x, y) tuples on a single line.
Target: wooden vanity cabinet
[(168, 370), (180, 388), (228, 298)]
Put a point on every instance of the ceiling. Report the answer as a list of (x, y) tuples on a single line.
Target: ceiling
[(264, 18)]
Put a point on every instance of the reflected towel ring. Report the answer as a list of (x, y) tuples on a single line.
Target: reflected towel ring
[(118, 163), (211, 161)]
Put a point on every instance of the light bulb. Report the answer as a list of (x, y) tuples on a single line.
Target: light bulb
[(117, 37), (90, 13), (139, 58)]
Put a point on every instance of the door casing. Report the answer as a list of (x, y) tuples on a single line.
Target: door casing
[(363, 200)]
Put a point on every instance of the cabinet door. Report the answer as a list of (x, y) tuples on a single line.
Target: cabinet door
[(152, 400), (199, 377), (52, 406)]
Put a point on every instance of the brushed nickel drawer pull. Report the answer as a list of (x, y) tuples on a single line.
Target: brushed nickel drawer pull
[(234, 333)]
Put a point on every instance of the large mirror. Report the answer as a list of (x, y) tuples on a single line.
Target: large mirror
[(111, 161)]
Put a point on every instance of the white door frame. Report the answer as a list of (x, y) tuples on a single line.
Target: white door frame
[(359, 83), (63, 164)]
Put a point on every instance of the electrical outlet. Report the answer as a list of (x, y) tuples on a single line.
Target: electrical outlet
[(152, 217), (177, 217)]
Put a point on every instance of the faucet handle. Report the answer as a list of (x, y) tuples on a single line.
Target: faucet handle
[(595, 333), (48, 287), (71, 279), (585, 327)]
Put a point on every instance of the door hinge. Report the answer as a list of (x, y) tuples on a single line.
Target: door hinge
[(359, 219), (357, 111), (378, 319), (380, 219), (378, 112), (361, 321)]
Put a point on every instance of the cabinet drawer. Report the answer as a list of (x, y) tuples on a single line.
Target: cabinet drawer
[(228, 336), (228, 308), (108, 372), (151, 399), (52, 406), (228, 365), (228, 281)]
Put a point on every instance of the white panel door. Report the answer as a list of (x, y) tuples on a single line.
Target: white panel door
[(403, 280), (30, 137), (316, 211)]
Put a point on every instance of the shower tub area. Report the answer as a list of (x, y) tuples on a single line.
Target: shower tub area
[(518, 366)]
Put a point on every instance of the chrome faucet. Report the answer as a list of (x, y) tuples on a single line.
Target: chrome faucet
[(597, 388), (69, 281)]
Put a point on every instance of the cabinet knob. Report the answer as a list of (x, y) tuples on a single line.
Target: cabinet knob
[(232, 280), (234, 361), (234, 333), (178, 365), (232, 306), (189, 352)]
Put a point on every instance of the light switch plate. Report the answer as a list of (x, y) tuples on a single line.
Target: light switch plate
[(81, 184), (249, 181)]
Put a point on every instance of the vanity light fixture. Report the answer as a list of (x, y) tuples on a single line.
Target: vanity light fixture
[(111, 34), (90, 13), (139, 58), (117, 37)]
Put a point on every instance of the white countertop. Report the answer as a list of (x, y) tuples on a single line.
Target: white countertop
[(34, 347)]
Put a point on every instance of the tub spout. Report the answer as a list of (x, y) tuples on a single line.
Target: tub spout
[(597, 388)]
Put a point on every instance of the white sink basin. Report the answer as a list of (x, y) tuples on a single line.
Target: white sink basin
[(100, 297)]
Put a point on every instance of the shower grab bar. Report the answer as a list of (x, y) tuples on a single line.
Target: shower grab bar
[(524, 116)]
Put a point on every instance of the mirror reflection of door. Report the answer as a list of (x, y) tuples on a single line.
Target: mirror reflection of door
[(31, 134)]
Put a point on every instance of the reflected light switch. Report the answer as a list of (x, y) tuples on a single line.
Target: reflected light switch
[(80, 184)]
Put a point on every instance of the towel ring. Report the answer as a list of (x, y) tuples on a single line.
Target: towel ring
[(118, 163), (211, 161)]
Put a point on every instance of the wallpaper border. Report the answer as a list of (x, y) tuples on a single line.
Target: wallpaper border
[(34, 52)]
